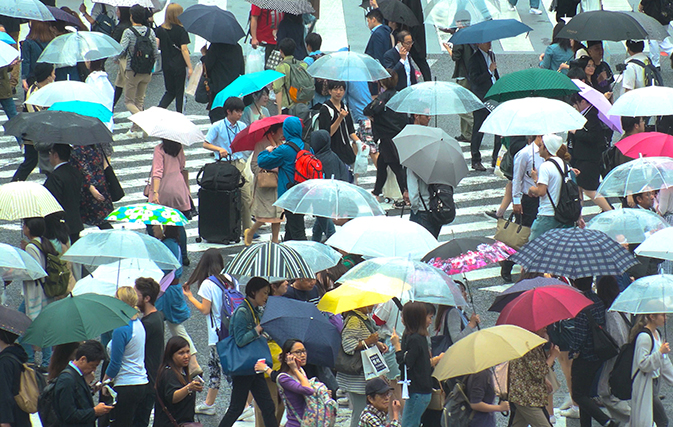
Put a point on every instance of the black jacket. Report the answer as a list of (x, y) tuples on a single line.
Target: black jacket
[(65, 184), (332, 166), (386, 123), (461, 55), (72, 400), (379, 43), (10, 377), (589, 142), (224, 63), (478, 74), (391, 59)]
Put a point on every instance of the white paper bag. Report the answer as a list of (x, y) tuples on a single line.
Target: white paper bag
[(373, 363), (194, 79)]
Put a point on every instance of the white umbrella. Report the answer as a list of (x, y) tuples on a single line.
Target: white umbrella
[(127, 3), (25, 199), (63, 91), (532, 116), (435, 98), (162, 123), (447, 13), (7, 54), (646, 101), (658, 245), (383, 236), (106, 279), (71, 48), (26, 9)]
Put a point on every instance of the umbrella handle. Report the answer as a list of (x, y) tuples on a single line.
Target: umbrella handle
[(469, 292)]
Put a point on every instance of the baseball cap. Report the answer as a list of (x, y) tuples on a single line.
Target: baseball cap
[(377, 386)]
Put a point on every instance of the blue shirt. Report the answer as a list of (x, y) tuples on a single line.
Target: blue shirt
[(310, 58), (222, 134)]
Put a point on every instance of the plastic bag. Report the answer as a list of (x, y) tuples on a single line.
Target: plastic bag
[(254, 60), (194, 79), (361, 159), (373, 363)]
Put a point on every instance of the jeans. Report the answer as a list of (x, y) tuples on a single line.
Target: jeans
[(255, 384), (10, 110), (544, 223), (294, 227), (322, 225), (583, 373), (174, 82), (414, 408), (46, 351), (424, 219), (30, 159)]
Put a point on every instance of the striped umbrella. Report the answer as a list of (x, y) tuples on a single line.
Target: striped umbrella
[(269, 259), (26, 200), (295, 7)]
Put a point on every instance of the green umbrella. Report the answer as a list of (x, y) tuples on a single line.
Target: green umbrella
[(79, 318), (537, 82), (149, 213)]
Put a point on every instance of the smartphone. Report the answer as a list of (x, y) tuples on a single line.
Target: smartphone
[(199, 379)]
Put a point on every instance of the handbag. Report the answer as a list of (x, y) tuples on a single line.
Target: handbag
[(273, 60), (373, 363), (605, 347), (349, 364), (438, 397), (195, 79), (113, 185), (267, 179), (512, 233), (170, 416), (203, 94)]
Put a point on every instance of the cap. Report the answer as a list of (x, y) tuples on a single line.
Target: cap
[(377, 386), (552, 143)]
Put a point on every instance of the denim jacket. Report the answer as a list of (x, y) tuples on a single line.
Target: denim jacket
[(243, 323)]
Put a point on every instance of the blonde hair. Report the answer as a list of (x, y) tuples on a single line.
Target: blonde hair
[(128, 295), (172, 12)]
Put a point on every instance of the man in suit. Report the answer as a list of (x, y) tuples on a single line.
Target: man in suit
[(398, 59), (65, 184), (73, 403), (460, 55), (380, 41), (482, 73), (419, 51)]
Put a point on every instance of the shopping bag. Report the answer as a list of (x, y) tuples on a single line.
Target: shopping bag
[(254, 60), (194, 79), (361, 159), (373, 363)]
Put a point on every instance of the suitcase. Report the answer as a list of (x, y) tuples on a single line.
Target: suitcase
[(220, 216)]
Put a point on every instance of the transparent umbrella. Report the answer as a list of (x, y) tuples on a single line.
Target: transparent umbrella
[(628, 225), (349, 67), (658, 245), (647, 295), (27, 9), (17, 264), (67, 90), (644, 101), (7, 54), (106, 279), (532, 116), (71, 48), (637, 176), (434, 98), (317, 255), (454, 13)]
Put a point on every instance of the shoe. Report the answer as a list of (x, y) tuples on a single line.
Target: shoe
[(342, 401), (492, 215), (461, 138), (534, 11), (506, 271), (478, 167), (573, 412), (247, 238), (612, 423), (247, 413), (511, 8), (185, 262), (204, 409), (340, 393), (567, 403)]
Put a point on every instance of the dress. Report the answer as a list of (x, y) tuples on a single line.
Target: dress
[(263, 198), (88, 160), (173, 191)]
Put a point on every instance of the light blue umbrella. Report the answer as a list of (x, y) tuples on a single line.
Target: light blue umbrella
[(647, 295), (628, 225), (17, 264), (4, 37), (348, 67), (245, 85), (317, 255), (69, 49), (90, 109)]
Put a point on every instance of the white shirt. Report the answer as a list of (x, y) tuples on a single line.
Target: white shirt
[(549, 175), (102, 86), (524, 161), (487, 57), (211, 292), (407, 66), (634, 75)]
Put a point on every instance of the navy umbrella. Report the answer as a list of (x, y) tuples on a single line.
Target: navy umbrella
[(285, 318), (487, 31), (212, 23), (520, 287)]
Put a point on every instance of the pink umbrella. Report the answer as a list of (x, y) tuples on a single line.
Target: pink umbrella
[(601, 103)]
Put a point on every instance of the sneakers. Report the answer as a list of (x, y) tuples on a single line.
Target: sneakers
[(534, 11), (573, 412), (511, 8), (567, 403), (247, 413), (342, 401), (204, 409)]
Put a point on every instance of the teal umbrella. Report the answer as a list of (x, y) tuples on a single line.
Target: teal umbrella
[(245, 85), (150, 214), (647, 295), (532, 82), (628, 225), (90, 109)]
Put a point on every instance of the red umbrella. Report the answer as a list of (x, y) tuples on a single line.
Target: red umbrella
[(540, 307), (250, 136), (649, 144)]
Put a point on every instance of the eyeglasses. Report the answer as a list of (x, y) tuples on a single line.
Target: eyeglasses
[(408, 43), (299, 352)]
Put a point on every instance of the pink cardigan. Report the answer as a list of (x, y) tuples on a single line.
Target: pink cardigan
[(173, 191)]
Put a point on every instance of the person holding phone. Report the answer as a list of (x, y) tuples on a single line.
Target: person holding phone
[(293, 381)]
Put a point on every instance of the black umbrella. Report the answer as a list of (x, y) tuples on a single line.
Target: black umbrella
[(603, 25), (212, 23), (396, 11), (13, 321), (58, 127), (63, 16), (520, 287)]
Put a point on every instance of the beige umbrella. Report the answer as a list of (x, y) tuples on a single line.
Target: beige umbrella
[(26, 200)]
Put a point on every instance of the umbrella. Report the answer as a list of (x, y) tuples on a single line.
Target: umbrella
[(347, 298), (435, 98), (532, 116), (329, 198), (59, 127), (285, 319), (396, 11), (520, 287), (17, 264), (79, 318), (7, 54), (349, 67), (628, 225), (212, 23), (654, 29), (540, 307), (465, 254), (645, 101), (484, 349), (89, 109), (647, 295), (270, 260), (6, 38), (317, 255), (601, 103), (245, 85), (574, 253), (637, 176), (67, 90), (383, 236), (295, 7), (246, 139), (129, 3), (162, 123), (431, 154), (26, 9), (646, 144), (71, 48), (603, 25), (13, 321), (531, 82), (657, 245), (150, 214), (63, 16), (106, 279), (25, 199), (448, 13), (107, 246), (487, 31)]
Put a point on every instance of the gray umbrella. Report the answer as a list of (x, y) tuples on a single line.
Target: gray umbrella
[(59, 127), (655, 31)]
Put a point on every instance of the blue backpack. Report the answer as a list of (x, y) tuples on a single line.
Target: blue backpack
[(231, 298)]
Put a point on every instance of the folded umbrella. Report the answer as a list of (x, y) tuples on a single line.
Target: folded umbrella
[(7, 54), (317, 255), (59, 127), (245, 85), (487, 31), (63, 16), (26, 9), (246, 139), (162, 123), (212, 23), (532, 82), (90, 109), (645, 102), (658, 245), (600, 102), (455, 13), (17, 264), (67, 90), (603, 25), (628, 225), (349, 67), (107, 278), (646, 144), (532, 116), (13, 321), (271, 260), (150, 214), (435, 98), (465, 254), (25, 199), (295, 7), (71, 48), (647, 295), (520, 287), (637, 176), (6, 38)]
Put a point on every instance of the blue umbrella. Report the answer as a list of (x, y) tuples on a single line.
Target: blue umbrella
[(487, 31), (90, 109), (4, 37), (212, 23), (285, 318), (246, 84)]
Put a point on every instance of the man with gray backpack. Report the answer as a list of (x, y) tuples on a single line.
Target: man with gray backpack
[(297, 87)]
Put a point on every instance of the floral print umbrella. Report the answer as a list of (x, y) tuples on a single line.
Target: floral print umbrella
[(459, 256), (149, 213)]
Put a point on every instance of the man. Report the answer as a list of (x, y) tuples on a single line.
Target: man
[(281, 87), (482, 74), (375, 414), (634, 73), (534, 6), (380, 40), (64, 184), (646, 266), (73, 403), (603, 78), (153, 322), (653, 9), (304, 290), (419, 50), (398, 60), (460, 55), (313, 43), (263, 26), (219, 138)]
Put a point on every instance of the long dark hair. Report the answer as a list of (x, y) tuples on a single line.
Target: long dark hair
[(172, 232), (607, 290), (414, 316), (124, 14), (174, 345), (56, 228), (211, 263), (563, 43), (37, 228), (171, 148), (287, 347), (63, 353)]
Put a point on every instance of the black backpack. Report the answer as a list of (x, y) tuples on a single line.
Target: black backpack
[(569, 207), (621, 380), (442, 209), (103, 23), (652, 75), (142, 61), (219, 176), (457, 411), (45, 405)]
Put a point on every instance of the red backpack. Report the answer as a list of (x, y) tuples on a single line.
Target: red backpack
[(306, 166)]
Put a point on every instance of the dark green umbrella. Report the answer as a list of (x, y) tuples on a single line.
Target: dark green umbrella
[(77, 318), (538, 82)]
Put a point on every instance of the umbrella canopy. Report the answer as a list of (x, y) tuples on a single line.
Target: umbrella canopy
[(106, 279), (245, 85), (637, 176), (317, 255), (520, 287), (24, 199), (58, 127), (67, 90), (657, 245), (162, 123), (347, 298), (26, 9), (540, 307), (13, 321), (654, 29), (435, 98), (271, 260), (603, 25), (79, 318), (129, 3), (285, 318), (246, 139), (645, 101), (484, 349), (628, 225), (600, 102), (212, 23), (348, 67), (396, 11), (457, 13), (71, 48), (532, 116), (150, 214), (6, 38), (383, 236), (647, 295), (7, 54), (63, 16), (295, 7), (107, 246), (431, 154), (89, 109), (532, 82), (329, 198), (17, 264), (487, 31), (646, 144), (574, 253), (465, 254)]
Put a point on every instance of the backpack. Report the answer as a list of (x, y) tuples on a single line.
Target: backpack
[(30, 386), (142, 61), (620, 379), (58, 274), (321, 409), (652, 75), (302, 85), (320, 84), (442, 209), (457, 411), (219, 176), (309, 119), (231, 298), (605, 347), (306, 166), (103, 23), (569, 207), (45, 406), (608, 160)]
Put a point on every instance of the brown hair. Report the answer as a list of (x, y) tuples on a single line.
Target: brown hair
[(62, 354), (414, 316), (563, 153), (172, 12), (40, 31), (390, 82)]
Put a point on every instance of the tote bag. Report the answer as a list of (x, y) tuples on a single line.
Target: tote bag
[(373, 363)]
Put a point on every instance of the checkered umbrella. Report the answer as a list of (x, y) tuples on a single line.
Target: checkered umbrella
[(574, 253), (295, 7), (270, 260)]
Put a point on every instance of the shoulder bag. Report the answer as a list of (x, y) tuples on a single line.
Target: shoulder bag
[(113, 185), (350, 364), (170, 416), (203, 94), (512, 233)]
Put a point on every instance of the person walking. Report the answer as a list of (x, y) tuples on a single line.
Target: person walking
[(263, 27), (12, 358), (292, 26), (336, 119), (380, 40), (460, 55), (293, 381), (96, 203), (281, 87), (64, 184), (633, 76), (224, 63), (7, 91), (175, 62), (419, 50), (534, 6), (38, 38), (124, 18)]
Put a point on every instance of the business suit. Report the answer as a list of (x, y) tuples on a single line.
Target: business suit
[(419, 50), (480, 79), (72, 400), (379, 42), (461, 55), (391, 59), (65, 184)]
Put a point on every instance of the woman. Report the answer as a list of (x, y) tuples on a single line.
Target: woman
[(559, 53), (245, 328), (98, 79), (175, 387), (263, 198), (174, 45), (586, 64), (169, 184), (38, 38), (96, 203), (293, 381), (452, 324), (336, 119), (124, 16), (61, 356), (257, 109)]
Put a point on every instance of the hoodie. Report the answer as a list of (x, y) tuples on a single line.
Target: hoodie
[(284, 156), (10, 377), (332, 166)]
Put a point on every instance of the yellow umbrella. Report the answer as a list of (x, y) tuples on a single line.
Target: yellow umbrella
[(484, 349), (358, 293), (26, 200)]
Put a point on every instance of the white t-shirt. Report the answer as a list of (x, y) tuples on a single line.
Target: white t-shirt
[(210, 291), (634, 74), (549, 175)]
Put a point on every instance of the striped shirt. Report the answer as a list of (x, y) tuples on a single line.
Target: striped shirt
[(355, 330)]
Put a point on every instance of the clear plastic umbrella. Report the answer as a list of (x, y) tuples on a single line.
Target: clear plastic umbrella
[(129, 3), (532, 116), (17, 264), (317, 255), (71, 48), (162, 123), (67, 90), (106, 279), (637, 176), (628, 225), (7, 54), (645, 101), (647, 295), (435, 98), (349, 67), (658, 245), (452, 13), (27, 9)]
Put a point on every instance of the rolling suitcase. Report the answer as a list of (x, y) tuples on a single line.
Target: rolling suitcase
[(220, 216)]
